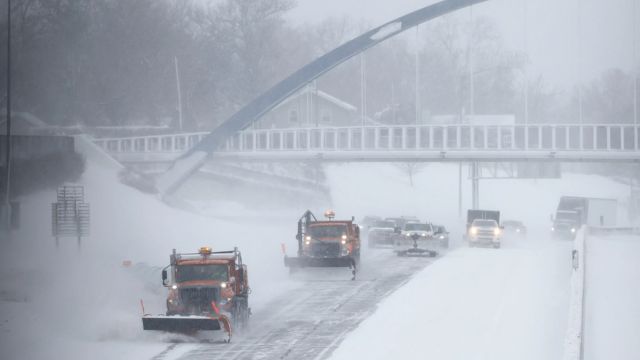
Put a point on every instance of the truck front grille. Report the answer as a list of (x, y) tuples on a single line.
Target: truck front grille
[(198, 299), (325, 249)]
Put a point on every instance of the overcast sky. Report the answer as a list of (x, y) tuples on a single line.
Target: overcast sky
[(607, 28)]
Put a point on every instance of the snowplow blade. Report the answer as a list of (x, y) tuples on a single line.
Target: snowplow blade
[(180, 323), (301, 262)]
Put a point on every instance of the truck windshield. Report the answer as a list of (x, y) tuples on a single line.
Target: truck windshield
[(416, 227), (567, 216), (384, 224), (327, 231), (218, 272), (484, 223)]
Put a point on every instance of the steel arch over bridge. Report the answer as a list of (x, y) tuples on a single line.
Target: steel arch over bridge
[(499, 143), (195, 157)]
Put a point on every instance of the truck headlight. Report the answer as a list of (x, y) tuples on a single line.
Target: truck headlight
[(223, 285), (496, 231), (343, 241), (553, 229), (441, 236), (473, 231), (308, 238), (517, 230), (174, 286), (424, 235), (573, 230), (344, 237)]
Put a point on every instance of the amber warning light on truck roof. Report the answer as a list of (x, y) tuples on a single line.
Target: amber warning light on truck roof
[(330, 214), (205, 250)]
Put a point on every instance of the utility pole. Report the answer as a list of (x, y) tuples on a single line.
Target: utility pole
[(579, 52), (363, 88), (526, 67), (175, 58), (470, 61), (417, 73), (7, 192), (636, 64), (475, 185)]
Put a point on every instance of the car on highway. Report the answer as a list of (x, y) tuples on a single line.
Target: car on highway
[(381, 233), (485, 232), (416, 238), (441, 235), (514, 228)]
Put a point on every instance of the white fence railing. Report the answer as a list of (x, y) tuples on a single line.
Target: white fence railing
[(593, 137)]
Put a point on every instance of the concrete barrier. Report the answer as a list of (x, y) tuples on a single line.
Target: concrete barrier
[(574, 334)]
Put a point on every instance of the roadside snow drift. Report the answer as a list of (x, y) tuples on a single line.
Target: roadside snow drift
[(473, 304), (612, 298)]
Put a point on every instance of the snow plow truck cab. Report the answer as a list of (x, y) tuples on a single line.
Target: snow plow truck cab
[(207, 291), (330, 243)]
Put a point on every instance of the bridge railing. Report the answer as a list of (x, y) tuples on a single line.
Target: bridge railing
[(538, 137), (442, 137)]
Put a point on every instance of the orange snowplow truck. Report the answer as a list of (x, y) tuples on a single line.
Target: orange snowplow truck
[(207, 291), (330, 243)]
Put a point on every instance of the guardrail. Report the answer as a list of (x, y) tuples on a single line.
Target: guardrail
[(539, 137)]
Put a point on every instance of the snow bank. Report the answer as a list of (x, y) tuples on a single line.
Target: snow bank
[(612, 298), (78, 303), (473, 304), (574, 334)]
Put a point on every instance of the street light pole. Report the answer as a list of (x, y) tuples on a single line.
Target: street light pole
[(636, 63), (526, 67), (8, 141), (579, 52), (417, 74), (175, 59)]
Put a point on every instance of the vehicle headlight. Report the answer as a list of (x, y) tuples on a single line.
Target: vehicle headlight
[(344, 237), (308, 238), (307, 242), (517, 230), (343, 241), (424, 235), (441, 236), (553, 229), (223, 285), (496, 231), (174, 286), (573, 230), (473, 230)]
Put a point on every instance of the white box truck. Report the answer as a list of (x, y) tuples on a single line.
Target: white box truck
[(574, 211)]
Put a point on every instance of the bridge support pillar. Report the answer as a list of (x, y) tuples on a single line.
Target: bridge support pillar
[(475, 185)]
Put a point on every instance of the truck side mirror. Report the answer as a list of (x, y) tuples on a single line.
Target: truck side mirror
[(164, 277)]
